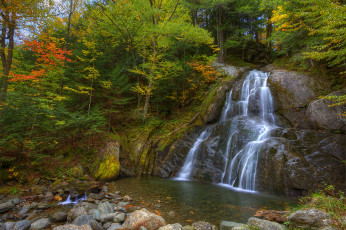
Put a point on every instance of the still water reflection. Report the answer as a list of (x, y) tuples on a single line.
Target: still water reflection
[(193, 201)]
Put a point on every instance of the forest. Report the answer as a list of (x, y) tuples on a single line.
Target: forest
[(151, 114), (75, 72)]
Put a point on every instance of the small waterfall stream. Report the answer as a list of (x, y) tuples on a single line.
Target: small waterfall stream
[(245, 125)]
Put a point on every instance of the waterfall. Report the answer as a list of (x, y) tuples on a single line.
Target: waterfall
[(245, 123), (186, 170)]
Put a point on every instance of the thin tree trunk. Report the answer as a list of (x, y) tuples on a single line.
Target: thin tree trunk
[(220, 35), (7, 32), (67, 40), (91, 93), (269, 46), (147, 100)]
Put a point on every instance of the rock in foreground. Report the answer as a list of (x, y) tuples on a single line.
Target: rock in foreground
[(144, 218)]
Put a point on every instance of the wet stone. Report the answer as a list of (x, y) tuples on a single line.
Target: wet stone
[(24, 210), (33, 205), (107, 225), (59, 216), (115, 226), (119, 218), (41, 223), (10, 225), (82, 220), (22, 225), (228, 225), (43, 206), (6, 206), (95, 225)]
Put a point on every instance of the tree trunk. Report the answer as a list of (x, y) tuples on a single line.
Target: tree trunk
[(269, 46), (147, 100), (67, 40), (220, 36), (7, 32)]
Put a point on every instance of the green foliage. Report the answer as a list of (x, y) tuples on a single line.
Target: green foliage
[(14, 190), (312, 29)]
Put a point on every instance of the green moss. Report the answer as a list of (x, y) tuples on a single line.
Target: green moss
[(109, 168)]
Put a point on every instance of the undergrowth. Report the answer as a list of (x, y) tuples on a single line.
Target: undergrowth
[(329, 201)]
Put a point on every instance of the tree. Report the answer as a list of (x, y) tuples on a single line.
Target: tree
[(149, 27), (313, 30), (14, 15)]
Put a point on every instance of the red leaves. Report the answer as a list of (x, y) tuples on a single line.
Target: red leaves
[(50, 57)]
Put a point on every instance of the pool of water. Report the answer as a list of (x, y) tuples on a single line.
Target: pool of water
[(193, 201)]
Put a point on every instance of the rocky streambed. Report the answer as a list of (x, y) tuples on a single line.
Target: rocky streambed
[(107, 208)]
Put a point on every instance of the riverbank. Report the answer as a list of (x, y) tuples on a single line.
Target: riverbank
[(108, 206)]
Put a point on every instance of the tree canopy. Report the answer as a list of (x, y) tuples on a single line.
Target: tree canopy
[(75, 70)]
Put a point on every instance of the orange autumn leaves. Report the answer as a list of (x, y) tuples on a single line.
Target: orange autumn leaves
[(202, 75), (50, 56)]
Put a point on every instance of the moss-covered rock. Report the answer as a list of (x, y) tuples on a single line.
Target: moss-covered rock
[(109, 167)]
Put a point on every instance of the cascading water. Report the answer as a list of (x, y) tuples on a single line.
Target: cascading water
[(186, 170), (245, 124)]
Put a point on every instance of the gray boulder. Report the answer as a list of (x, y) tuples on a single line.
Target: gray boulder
[(309, 218), (201, 225), (321, 116), (107, 225), (119, 218), (24, 210), (4, 207), (175, 226), (59, 216), (95, 225), (187, 227), (10, 225), (41, 224), (144, 218), (22, 225), (82, 220), (73, 227), (107, 217), (114, 226), (264, 224), (75, 212), (2, 226), (105, 207), (228, 225)]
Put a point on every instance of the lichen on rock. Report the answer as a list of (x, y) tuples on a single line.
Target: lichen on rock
[(109, 167)]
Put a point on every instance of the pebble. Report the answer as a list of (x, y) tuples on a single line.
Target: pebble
[(33, 205), (171, 214), (43, 206)]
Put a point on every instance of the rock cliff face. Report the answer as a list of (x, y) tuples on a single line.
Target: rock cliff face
[(305, 151)]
